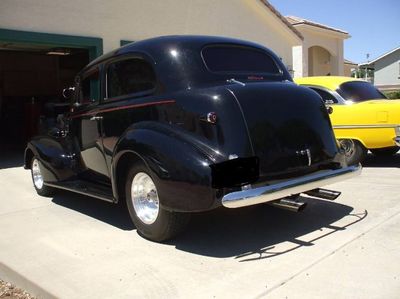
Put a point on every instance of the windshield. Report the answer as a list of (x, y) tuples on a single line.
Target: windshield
[(359, 91), (237, 59)]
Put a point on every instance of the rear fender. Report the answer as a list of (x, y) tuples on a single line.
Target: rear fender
[(179, 164)]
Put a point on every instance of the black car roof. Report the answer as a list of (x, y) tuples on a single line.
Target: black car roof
[(152, 46), (189, 70)]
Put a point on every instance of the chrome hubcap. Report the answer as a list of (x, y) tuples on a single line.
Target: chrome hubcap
[(348, 146), (37, 174), (145, 198)]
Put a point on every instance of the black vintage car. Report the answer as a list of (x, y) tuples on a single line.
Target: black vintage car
[(182, 124)]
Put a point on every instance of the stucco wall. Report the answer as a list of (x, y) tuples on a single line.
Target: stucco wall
[(140, 19), (387, 69)]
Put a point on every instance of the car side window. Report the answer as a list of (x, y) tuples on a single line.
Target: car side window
[(90, 87), (129, 76), (326, 96)]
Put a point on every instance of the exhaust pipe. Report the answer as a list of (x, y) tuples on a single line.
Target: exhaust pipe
[(290, 204), (323, 193)]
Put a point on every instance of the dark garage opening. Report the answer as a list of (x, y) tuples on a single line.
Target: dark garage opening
[(31, 82)]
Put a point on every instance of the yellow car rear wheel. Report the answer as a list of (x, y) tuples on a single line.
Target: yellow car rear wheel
[(354, 151)]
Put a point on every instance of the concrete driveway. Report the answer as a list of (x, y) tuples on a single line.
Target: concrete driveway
[(72, 246)]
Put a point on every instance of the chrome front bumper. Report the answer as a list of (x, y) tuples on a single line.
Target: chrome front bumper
[(279, 190), (397, 140)]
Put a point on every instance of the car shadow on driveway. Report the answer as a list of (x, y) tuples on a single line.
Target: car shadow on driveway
[(115, 215), (375, 161), (247, 234), (263, 231)]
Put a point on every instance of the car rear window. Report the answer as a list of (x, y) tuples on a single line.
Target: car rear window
[(237, 59), (358, 91)]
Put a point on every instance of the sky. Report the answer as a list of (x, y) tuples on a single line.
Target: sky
[(374, 25)]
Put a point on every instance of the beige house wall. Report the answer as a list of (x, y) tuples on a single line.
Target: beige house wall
[(139, 19)]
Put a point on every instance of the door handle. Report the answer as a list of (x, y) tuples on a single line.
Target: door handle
[(93, 118)]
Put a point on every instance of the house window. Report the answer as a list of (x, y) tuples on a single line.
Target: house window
[(124, 42)]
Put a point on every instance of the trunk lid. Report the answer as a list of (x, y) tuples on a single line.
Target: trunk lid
[(288, 126)]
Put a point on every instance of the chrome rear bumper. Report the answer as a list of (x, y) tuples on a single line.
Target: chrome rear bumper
[(294, 186)]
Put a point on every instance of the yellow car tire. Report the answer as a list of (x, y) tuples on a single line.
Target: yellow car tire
[(354, 151)]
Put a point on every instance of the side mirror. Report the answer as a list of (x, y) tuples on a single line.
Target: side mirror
[(68, 92)]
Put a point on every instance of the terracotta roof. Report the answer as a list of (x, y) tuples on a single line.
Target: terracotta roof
[(298, 21), (282, 18)]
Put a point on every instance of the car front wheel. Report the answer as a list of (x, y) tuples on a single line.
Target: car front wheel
[(38, 181), (354, 151), (145, 208)]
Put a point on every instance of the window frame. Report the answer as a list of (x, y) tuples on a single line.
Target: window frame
[(279, 73), (340, 100), (106, 99), (82, 77)]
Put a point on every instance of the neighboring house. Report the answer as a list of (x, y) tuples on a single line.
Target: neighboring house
[(386, 70), (321, 52), (349, 67)]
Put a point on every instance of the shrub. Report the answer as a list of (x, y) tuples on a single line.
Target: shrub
[(392, 94)]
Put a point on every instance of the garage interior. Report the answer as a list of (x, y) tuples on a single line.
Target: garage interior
[(32, 78)]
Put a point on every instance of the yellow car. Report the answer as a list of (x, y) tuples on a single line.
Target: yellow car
[(363, 118)]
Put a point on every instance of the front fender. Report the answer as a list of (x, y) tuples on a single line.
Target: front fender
[(179, 163), (55, 161)]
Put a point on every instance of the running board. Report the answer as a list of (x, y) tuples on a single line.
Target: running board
[(85, 188), (323, 193)]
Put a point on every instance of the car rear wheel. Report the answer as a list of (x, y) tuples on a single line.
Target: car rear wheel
[(385, 152), (145, 207), (354, 151), (38, 181)]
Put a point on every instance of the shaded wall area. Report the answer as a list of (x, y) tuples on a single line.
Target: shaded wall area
[(319, 62)]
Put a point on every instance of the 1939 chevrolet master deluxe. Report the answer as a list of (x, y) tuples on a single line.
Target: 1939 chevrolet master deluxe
[(180, 124)]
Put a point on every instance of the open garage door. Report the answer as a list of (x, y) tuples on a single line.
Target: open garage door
[(34, 69)]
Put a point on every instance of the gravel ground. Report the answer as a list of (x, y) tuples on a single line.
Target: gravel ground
[(8, 290)]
